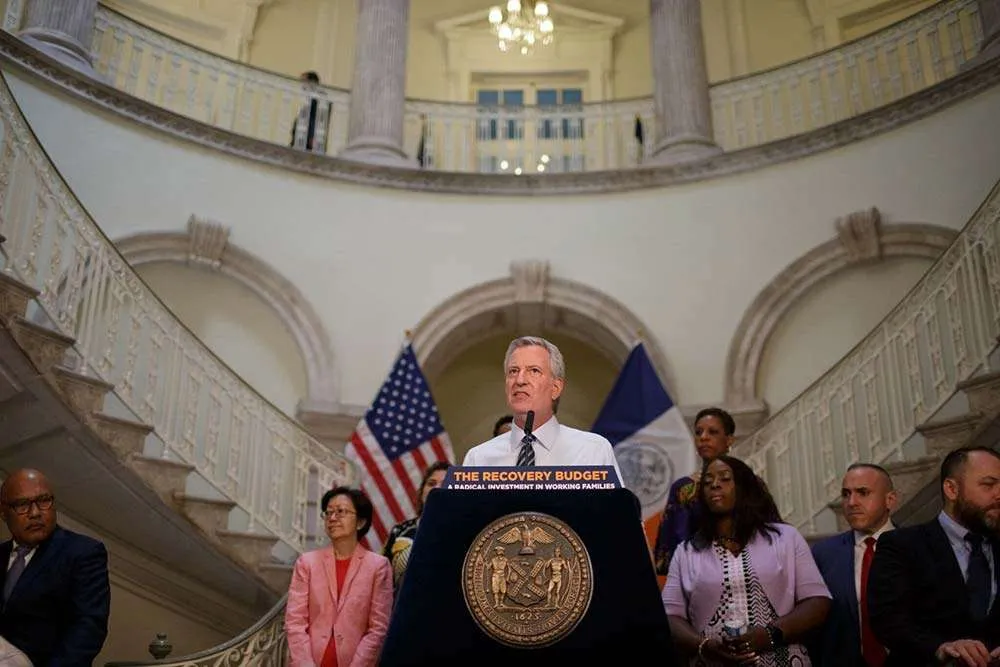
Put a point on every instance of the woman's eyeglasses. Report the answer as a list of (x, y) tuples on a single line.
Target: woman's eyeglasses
[(340, 513)]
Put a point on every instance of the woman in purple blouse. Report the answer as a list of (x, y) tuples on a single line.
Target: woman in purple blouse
[(713, 435), (744, 589)]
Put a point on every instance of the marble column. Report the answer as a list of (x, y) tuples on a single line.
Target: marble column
[(378, 91), (989, 13), (680, 83), (63, 29)]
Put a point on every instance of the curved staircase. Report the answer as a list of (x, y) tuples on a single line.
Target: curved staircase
[(91, 355)]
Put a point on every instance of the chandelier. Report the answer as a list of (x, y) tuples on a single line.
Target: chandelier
[(522, 26)]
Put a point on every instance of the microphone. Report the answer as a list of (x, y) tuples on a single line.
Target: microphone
[(529, 421)]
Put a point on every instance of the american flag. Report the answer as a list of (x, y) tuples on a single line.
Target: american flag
[(400, 435)]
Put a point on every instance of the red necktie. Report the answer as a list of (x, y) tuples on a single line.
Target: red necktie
[(871, 650)]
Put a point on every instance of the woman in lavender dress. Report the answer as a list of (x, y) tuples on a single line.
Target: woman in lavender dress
[(713, 435), (744, 589)]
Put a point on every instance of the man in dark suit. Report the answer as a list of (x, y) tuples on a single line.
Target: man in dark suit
[(933, 587), (846, 639), (55, 590)]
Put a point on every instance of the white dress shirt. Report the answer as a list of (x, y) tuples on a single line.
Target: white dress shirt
[(555, 445), (13, 555)]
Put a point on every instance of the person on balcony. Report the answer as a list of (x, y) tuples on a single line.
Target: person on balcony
[(340, 597), (932, 591), (713, 434), (846, 639), (744, 589), (400, 541), (309, 131), (56, 593)]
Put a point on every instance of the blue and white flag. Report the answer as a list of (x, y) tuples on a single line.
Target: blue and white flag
[(652, 443)]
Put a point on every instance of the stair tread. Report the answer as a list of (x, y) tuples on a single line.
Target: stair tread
[(108, 419), (90, 379), (48, 332), (905, 465), (162, 462), (185, 497), (977, 380), (17, 284), (244, 534), (969, 418)]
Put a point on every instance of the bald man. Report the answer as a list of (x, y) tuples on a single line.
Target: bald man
[(55, 594)]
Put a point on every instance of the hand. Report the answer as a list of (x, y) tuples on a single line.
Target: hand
[(757, 638), (728, 652), (995, 657), (966, 652)]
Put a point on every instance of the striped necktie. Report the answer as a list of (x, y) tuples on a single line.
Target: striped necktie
[(526, 455)]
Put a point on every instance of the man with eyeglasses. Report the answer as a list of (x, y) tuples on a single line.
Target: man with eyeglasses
[(55, 591)]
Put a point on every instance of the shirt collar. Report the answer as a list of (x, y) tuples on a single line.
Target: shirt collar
[(953, 529), (545, 435), (859, 537)]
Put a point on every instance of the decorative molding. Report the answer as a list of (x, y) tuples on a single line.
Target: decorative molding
[(860, 235), (529, 301), (206, 241), (965, 85), (854, 243), (530, 280), (207, 245)]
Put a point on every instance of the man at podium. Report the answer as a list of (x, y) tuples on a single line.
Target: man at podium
[(546, 572), (535, 377)]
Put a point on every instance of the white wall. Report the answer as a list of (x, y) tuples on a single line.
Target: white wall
[(832, 318), (237, 325), (687, 260)]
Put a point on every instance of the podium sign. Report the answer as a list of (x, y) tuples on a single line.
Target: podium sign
[(528, 577), (534, 478)]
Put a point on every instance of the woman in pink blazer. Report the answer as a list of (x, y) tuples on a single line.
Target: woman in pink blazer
[(340, 596)]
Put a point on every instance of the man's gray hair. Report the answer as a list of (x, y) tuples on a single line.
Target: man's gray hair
[(556, 362)]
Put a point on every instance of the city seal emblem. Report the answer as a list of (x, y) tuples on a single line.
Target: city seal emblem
[(527, 580)]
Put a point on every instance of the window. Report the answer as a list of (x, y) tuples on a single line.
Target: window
[(561, 112), (494, 103)]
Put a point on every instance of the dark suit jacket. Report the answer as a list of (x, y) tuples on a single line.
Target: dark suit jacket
[(838, 641), (917, 596), (58, 611)]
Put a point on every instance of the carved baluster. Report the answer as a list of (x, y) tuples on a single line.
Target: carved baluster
[(835, 83), (795, 103), (895, 75), (192, 393), (777, 111), (115, 58), (29, 264), (136, 57), (914, 63), (848, 408), (228, 120), (956, 41), (153, 76), (213, 430), (815, 92), (147, 408), (191, 95)]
